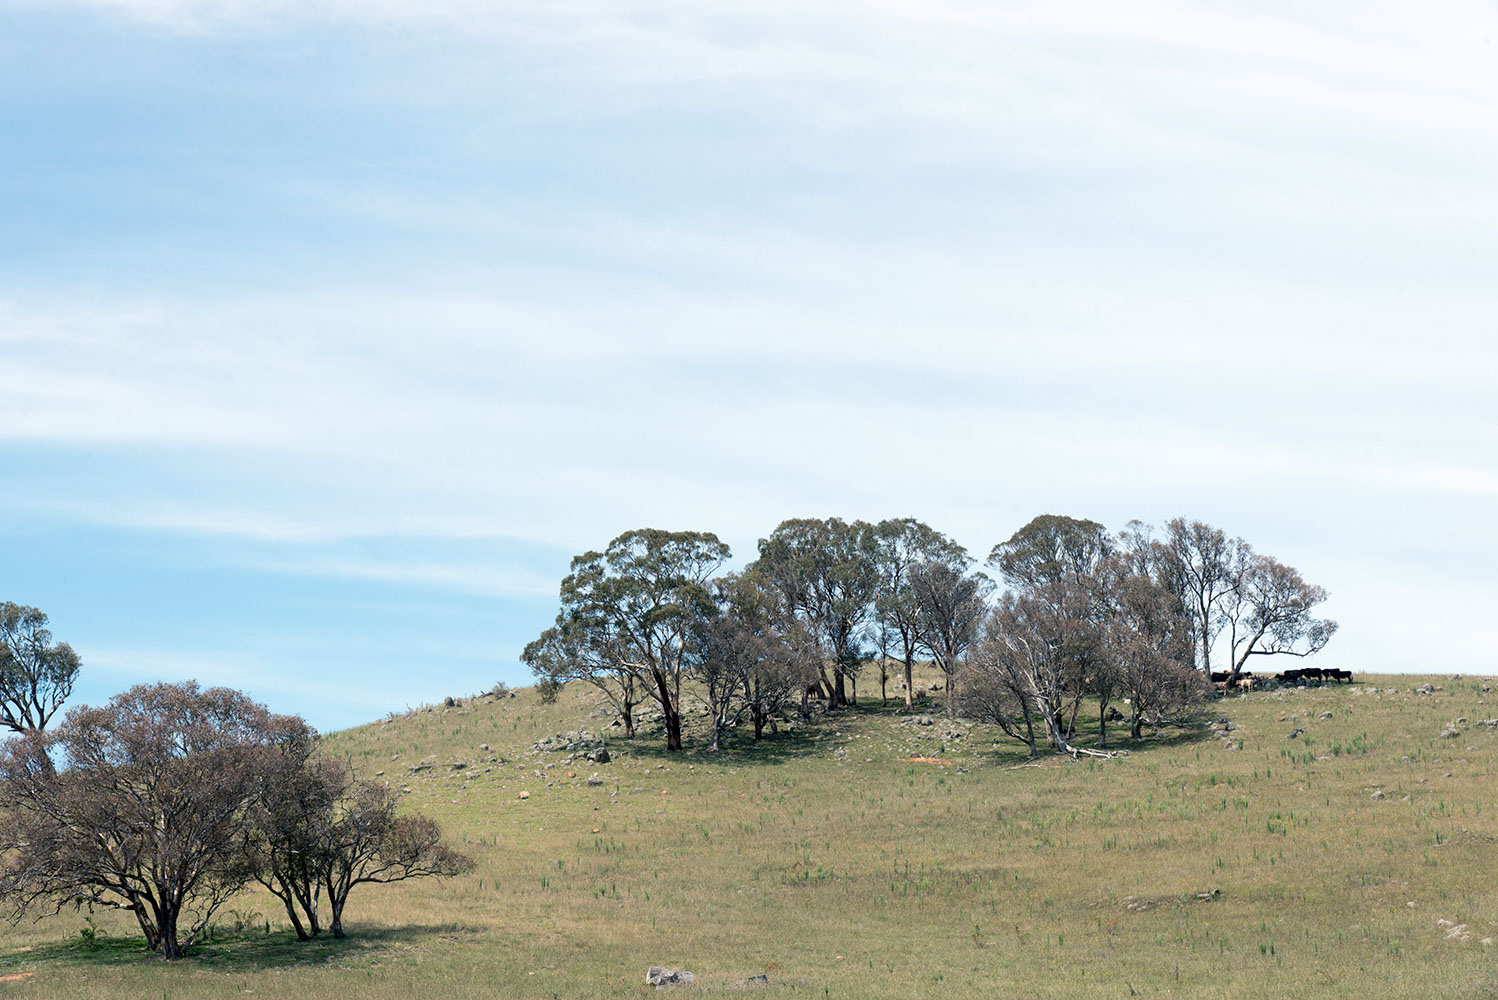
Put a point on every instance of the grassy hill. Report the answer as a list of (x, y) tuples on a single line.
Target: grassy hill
[(868, 855)]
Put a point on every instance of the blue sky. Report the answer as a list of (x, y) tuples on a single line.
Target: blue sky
[(331, 330)]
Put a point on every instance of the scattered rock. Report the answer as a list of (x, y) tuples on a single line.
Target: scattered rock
[(1425, 689), (523, 795), (1324, 715), (484, 747), (1292, 735), (580, 741), (458, 765), (1450, 731), (1378, 796), (418, 768), (764, 980), (659, 977), (594, 780)]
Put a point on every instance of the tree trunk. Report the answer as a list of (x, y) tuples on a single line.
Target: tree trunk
[(1102, 724), (951, 694), (167, 930), (909, 682)]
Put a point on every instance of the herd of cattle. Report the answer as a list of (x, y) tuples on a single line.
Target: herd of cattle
[(1247, 681)]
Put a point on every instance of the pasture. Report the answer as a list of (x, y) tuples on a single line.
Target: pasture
[(868, 855)]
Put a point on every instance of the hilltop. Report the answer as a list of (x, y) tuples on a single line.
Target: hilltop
[(871, 854)]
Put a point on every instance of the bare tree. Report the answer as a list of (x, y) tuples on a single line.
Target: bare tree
[(36, 674), (151, 809)]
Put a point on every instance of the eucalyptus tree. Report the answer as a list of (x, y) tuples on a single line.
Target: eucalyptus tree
[(322, 832), (1052, 548), (581, 648), (1147, 652), (1271, 613), (950, 603), (1026, 669), (1061, 561), (901, 546), (1208, 568), (633, 611), (36, 674), (827, 572), (754, 657), (151, 810)]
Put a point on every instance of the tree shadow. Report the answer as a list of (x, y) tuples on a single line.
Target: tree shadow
[(243, 951)]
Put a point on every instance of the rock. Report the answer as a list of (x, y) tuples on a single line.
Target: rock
[(523, 795), (1378, 796), (484, 747), (1292, 735), (660, 976), (599, 756), (458, 765), (379, 774), (1425, 689), (418, 768), (1233, 745), (764, 980), (923, 720), (1450, 732), (594, 780), (581, 741), (1324, 715)]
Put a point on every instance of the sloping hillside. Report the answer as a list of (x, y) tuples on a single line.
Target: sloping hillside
[(873, 855)]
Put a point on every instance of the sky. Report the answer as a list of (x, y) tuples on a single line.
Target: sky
[(331, 330)]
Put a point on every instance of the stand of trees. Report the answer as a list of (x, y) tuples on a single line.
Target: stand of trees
[(170, 799), (1120, 619)]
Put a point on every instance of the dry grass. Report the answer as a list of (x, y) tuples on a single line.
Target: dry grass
[(868, 857)]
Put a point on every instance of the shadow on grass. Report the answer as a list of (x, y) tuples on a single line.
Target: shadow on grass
[(248, 950), (741, 749)]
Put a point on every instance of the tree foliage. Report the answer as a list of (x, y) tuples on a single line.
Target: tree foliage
[(36, 674), (150, 810), (628, 618), (827, 571), (325, 832)]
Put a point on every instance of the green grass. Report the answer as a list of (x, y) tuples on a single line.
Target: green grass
[(825, 859)]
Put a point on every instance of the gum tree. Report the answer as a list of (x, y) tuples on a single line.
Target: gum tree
[(633, 610), (151, 809), (36, 674)]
